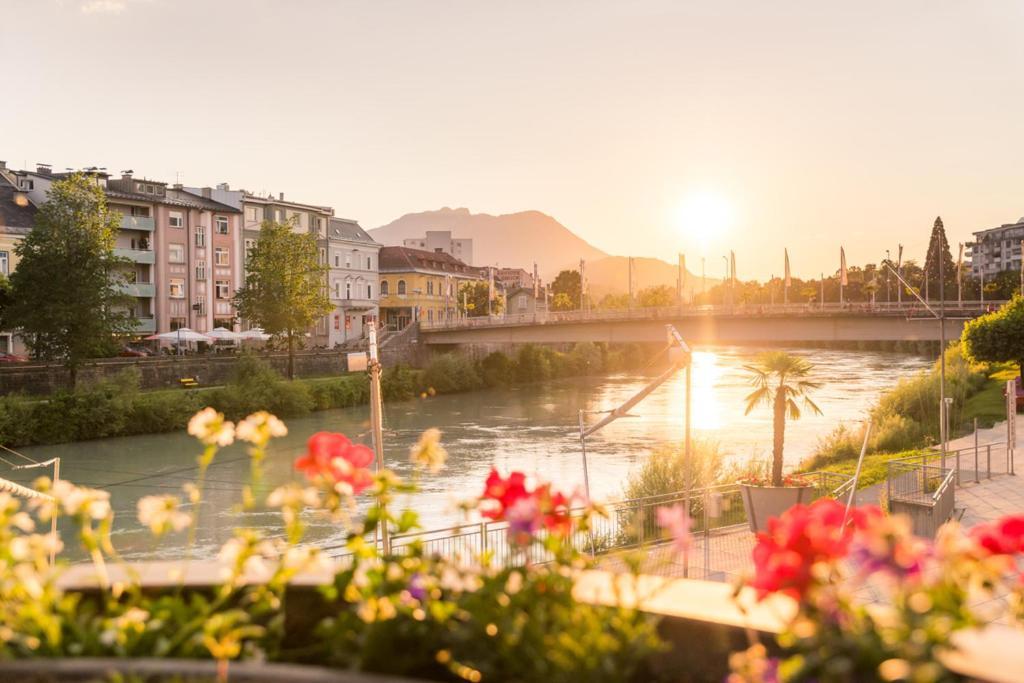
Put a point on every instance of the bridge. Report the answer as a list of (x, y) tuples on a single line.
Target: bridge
[(751, 323)]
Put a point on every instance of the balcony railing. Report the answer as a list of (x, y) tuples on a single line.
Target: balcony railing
[(138, 289), (137, 223), (136, 255)]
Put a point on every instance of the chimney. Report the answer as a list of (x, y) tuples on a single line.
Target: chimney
[(223, 186), (126, 175), (280, 196), (3, 165), (178, 186), (43, 169), (207, 191)]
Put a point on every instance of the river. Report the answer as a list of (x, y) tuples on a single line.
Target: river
[(531, 428)]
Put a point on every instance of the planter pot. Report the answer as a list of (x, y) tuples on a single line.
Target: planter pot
[(764, 502), (102, 670)]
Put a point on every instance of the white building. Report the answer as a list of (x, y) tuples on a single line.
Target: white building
[(354, 280), (996, 249), (442, 241)]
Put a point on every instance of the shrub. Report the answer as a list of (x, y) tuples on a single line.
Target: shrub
[(586, 359), (400, 383), (665, 470), (343, 392), (254, 385), (533, 364), (450, 373), (497, 369)]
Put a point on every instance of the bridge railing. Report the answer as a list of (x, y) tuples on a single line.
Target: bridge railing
[(953, 309)]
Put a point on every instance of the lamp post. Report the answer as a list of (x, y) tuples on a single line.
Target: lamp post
[(887, 295)]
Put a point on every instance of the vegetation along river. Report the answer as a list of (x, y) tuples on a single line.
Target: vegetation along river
[(532, 428)]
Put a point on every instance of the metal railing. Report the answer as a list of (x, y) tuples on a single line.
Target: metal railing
[(971, 464), (906, 309), (926, 493), (721, 541)]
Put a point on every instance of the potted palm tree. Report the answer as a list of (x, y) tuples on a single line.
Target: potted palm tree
[(780, 380)]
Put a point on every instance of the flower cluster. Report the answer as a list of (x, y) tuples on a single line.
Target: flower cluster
[(162, 514), (1002, 537), (211, 428), (677, 522), (333, 458), (428, 451), (526, 509)]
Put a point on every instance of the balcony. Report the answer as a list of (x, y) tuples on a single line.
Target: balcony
[(137, 223), (356, 304), (136, 255), (138, 289), (145, 325)]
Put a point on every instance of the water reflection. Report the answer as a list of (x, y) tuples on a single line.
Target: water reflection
[(531, 428)]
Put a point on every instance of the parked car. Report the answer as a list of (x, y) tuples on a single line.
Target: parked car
[(12, 358)]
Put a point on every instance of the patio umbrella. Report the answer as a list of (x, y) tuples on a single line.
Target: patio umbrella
[(223, 334), (182, 334), (255, 333)]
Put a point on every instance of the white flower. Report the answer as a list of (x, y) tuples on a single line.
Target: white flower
[(162, 514), (294, 496), (211, 428), (92, 503), (428, 452), (245, 556), (259, 428)]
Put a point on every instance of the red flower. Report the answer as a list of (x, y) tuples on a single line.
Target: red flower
[(525, 509), (334, 458), (1004, 536), (503, 493), (803, 536)]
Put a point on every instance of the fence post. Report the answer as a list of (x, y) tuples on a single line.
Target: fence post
[(988, 458), (976, 476), (707, 534), (958, 466), (483, 535)]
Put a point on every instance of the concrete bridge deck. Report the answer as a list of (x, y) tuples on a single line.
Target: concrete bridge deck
[(713, 324)]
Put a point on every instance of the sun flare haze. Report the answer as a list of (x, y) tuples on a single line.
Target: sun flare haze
[(704, 220)]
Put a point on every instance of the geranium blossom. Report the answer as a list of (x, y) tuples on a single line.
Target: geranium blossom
[(526, 510), (211, 428), (1004, 536), (259, 428), (333, 457), (677, 523)]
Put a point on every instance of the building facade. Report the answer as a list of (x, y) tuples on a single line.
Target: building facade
[(420, 285), (512, 278), (354, 281), (996, 249), (17, 218), (442, 241), (521, 302)]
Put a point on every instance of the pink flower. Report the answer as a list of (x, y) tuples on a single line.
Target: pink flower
[(332, 457), (677, 523), (526, 509), (1005, 536)]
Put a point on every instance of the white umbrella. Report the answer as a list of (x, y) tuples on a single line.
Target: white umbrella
[(182, 334), (224, 334), (254, 333)]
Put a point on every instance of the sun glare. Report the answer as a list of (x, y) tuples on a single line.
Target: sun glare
[(703, 218)]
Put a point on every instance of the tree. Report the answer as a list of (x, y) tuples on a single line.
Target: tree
[(568, 283), (657, 296), (65, 295), (613, 301), (779, 379), (473, 299), (285, 290), (938, 251), (997, 337)]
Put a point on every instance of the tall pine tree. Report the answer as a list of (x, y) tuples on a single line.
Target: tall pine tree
[(938, 250), (65, 297)]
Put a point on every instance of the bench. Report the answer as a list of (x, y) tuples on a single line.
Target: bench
[(189, 382)]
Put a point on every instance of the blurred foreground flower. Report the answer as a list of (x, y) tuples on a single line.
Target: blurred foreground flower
[(675, 520), (259, 428), (428, 452), (334, 458), (211, 428), (162, 514), (526, 510)]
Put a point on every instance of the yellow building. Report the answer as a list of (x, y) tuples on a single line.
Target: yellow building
[(420, 285)]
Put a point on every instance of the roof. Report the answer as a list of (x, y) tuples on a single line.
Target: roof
[(406, 259), (14, 218), (345, 229), (200, 201)]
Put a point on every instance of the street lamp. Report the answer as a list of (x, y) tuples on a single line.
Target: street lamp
[(887, 260)]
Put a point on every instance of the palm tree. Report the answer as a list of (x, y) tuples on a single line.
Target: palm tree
[(779, 379)]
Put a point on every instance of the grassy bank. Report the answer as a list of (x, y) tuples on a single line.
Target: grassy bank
[(117, 407)]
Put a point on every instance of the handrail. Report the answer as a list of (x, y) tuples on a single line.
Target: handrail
[(943, 486)]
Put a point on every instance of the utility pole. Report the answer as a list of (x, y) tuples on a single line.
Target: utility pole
[(630, 262), (821, 300), (703, 278), (888, 298), (377, 424), (899, 272), (942, 350)]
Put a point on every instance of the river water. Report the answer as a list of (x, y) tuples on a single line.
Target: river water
[(531, 428)]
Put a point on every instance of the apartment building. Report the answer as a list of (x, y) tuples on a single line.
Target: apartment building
[(420, 285), (996, 249), (17, 218), (512, 278), (442, 240), (354, 280)]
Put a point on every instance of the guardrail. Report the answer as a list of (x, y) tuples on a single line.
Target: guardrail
[(926, 493), (905, 309), (971, 464), (716, 511)]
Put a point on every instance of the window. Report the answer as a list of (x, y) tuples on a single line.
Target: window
[(253, 213), (249, 246), (317, 223), (176, 253), (348, 290), (383, 287), (337, 289), (348, 260), (27, 185), (279, 213), (200, 235), (323, 256), (177, 323), (369, 291), (140, 211), (221, 257), (221, 225), (369, 263), (177, 288), (200, 306), (176, 220), (222, 289), (200, 270), (5, 262), (401, 287), (430, 288), (430, 315), (337, 261), (151, 189)]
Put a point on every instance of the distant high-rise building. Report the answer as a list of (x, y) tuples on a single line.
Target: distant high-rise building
[(996, 249), (442, 241)]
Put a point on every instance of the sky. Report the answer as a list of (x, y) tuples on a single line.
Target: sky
[(647, 127)]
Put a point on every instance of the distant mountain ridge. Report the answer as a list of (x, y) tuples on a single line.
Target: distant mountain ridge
[(517, 240)]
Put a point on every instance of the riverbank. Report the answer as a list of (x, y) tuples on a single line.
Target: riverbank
[(117, 407)]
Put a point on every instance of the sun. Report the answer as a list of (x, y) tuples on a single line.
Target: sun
[(703, 218)]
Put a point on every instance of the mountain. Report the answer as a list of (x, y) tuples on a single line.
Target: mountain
[(510, 240), (518, 239)]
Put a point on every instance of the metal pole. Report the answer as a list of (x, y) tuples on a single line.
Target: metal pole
[(376, 424), (976, 479), (707, 534), (988, 458), (821, 301), (583, 450), (688, 458), (942, 352), (53, 518)]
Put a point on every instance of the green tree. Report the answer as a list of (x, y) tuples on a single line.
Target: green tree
[(285, 289), (779, 379), (566, 282), (997, 337), (473, 299), (657, 296), (938, 251), (613, 301), (66, 296)]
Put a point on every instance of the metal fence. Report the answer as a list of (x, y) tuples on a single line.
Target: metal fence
[(721, 541), (972, 464), (924, 492)]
